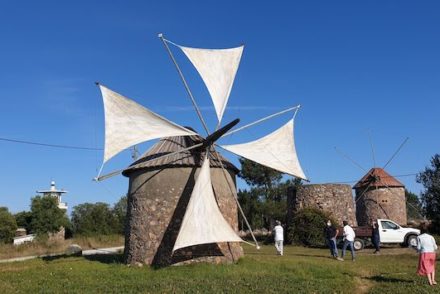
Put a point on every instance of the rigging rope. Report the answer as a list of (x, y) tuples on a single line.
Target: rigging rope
[(48, 145)]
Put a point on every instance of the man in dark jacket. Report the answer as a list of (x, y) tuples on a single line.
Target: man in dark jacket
[(330, 233), (375, 237)]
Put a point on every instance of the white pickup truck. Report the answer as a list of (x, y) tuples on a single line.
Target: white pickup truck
[(389, 232)]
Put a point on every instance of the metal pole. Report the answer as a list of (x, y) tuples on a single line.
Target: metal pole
[(349, 158), (395, 153), (188, 90), (372, 148), (363, 192), (263, 119)]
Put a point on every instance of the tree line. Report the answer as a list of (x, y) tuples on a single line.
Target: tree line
[(265, 201), (45, 218)]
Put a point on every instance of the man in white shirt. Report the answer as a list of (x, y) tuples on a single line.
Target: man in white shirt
[(349, 236), (279, 237)]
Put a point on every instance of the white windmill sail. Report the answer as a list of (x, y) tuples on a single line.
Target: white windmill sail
[(276, 150), (203, 222), (128, 123), (217, 67)]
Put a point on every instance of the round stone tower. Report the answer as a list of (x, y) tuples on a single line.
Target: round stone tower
[(379, 195), (158, 194), (337, 199)]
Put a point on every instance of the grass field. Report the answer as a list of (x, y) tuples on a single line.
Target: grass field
[(300, 270)]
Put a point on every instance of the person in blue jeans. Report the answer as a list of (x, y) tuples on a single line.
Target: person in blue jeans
[(375, 237), (330, 233), (349, 236)]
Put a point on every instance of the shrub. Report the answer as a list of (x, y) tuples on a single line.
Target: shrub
[(308, 227), (46, 217), (8, 226), (24, 220), (94, 218), (120, 212)]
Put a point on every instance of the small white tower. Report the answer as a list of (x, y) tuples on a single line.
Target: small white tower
[(55, 193)]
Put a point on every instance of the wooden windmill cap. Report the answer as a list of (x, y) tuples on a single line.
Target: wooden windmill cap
[(190, 158), (377, 177)]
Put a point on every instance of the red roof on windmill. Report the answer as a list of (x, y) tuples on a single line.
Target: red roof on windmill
[(378, 177)]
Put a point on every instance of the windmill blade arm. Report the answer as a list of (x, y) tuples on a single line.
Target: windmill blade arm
[(109, 175), (117, 172), (276, 150), (128, 123), (296, 108), (217, 68), (284, 169), (234, 192), (350, 159), (203, 221), (363, 192), (395, 153), (182, 77), (220, 132)]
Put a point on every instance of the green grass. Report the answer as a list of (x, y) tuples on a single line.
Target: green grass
[(300, 270)]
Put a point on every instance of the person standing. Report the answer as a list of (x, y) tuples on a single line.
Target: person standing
[(349, 236), (375, 237), (426, 247), (330, 233), (279, 237)]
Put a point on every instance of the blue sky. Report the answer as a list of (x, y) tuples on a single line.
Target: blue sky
[(356, 67)]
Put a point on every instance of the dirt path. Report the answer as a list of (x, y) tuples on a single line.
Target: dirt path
[(110, 250)]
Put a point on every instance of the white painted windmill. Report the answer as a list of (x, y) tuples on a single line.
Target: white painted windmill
[(127, 123)]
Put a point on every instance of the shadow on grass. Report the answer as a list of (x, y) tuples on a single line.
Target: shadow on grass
[(286, 255), (312, 255), (58, 256), (382, 279), (103, 258), (106, 258)]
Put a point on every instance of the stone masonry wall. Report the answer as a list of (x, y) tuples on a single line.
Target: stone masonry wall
[(337, 199), (388, 203), (157, 202)]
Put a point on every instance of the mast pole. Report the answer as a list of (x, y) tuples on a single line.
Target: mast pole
[(182, 77)]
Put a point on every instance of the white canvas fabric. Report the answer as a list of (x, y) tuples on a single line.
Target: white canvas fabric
[(217, 67), (203, 222), (128, 123), (276, 150)]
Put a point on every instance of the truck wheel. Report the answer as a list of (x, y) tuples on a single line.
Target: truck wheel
[(358, 244), (411, 241)]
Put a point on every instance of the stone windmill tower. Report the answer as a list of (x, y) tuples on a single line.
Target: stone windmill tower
[(380, 195), (158, 195), (182, 192)]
